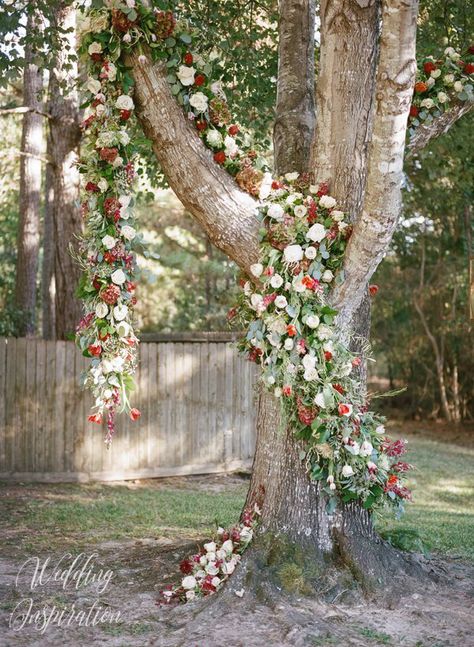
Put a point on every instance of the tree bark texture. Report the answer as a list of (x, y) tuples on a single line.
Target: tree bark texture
[(295, 117), (30, 188), (47, 270), (65, 134)]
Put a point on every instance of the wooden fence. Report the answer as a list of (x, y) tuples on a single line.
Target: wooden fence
[(195, 393)]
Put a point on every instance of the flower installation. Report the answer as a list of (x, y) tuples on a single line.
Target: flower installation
[(291, 330), (206, 571), (440, 84)]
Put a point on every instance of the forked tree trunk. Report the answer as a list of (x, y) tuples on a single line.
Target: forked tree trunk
[(47, 270), (30, 187), (361, 119), (64, 141)]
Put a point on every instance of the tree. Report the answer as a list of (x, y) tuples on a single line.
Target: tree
[(364, 91), (30, 188)]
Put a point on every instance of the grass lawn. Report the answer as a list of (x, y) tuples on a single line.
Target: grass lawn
[(34, 517)]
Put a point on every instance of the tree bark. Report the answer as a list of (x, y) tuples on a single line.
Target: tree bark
[(47, 271), (65, 134), (295, 117), (30, 187)]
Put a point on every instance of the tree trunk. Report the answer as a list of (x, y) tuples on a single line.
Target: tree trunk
[(47, 271), (30, 187), (64, 139)]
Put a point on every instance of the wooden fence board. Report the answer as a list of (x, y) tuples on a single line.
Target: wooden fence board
[(195, 394)]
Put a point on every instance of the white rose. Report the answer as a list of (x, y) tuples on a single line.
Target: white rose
[(123, 329), (215, 581), (94, 48), (316, 233), (293, 253), (353, 449), (99, 109), (300, 210), (256, 300), (341, 225), (298, 285), (228, 546), (442, 97), (289, 344), (189, 582), (327, 202), (214, 138), (190, 595), (128, 232), (427, 103), (449, 51), (101, 310), (203, 560), (98, 23), (337, 215), (103, 185), (118, 161), (313, 188), (430, 82), (246, 534), (448, 79), (347, 471), (118, 277), (327, 276), (271, 379), (123, 137), (199, 102), (435, 74), (380, 430), (309, 361), (291, 177), (366, 448), (324, 332), (109, 242), (310, 252), (277, 392), (124, 102), (281, 302), (458, 86), (319, 400), (276, 281), (211, 569), (120, 312), (216, 88), (228, 567), (256, 269), (111, 71), (231, 148), (93, 85), (210, 547), (312, 321), (125, 200), (310, 374), (276, 212)]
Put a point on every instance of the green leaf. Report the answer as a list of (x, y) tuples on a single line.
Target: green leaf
[(186, 38)]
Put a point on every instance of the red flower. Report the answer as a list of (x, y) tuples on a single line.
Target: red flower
[(95, 350), (135, 414), (200, 79), (96, 57), (401, 467), (344, 409), (420, 87), (394, 448), (286, 390), (254, 354), (356, 361), (269, 298), (109, 257), (373, 289), (291, 330), (188, 58), (103, 337), (338, 388), (112, 206), (110, 295), (95, 417), (201, 124), (275, 185), (235, 535), (165, 24), (134, 301), (108, 154), (231, 314), (414, 111), (310, 283), (207, 584), (96, 283), (323, 190), (392, 480), (219, 157), (470, 49), (186, 566), (429, 67), (328, 356), (233, 130), (301, 346), (125, 114), (469, 68), (91, 186)]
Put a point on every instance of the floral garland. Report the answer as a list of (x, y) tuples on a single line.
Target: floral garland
[(206, 571), (440, 84)]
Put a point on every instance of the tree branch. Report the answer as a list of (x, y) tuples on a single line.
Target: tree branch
[(381, 207), (208, 192), (20, 110), (440, 125)]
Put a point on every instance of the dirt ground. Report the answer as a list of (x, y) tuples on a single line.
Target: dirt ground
[(441, 615)]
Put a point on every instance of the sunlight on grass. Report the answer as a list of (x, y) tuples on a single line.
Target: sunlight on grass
[(442, 513)]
